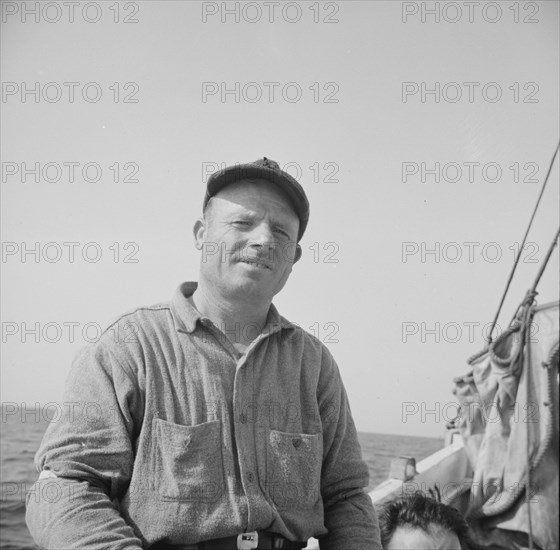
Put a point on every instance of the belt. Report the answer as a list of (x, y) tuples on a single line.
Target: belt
[(259, 540)]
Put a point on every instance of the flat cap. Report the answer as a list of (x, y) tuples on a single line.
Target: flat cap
[(268, 170)]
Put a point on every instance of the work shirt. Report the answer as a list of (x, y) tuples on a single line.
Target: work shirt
[(170, 434)]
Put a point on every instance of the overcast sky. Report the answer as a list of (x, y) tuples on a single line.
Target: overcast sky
[(128, 107)]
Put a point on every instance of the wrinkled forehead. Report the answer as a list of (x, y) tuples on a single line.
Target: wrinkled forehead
[(407, 537), (257, 194)]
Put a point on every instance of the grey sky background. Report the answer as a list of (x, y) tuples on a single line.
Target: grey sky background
[(363, 285)]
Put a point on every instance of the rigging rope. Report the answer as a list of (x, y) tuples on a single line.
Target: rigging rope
[(528, 495), (523, 246)]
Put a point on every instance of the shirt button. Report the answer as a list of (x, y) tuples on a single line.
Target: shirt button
[(250, 477), (243, 418)]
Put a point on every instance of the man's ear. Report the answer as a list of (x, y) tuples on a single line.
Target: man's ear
[(198, 232), (298, 253)]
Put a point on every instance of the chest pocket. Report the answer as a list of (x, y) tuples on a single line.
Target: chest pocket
[(294, 469), (187, 461)]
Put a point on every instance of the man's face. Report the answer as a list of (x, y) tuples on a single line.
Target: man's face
[(414, 538), (248, 241)]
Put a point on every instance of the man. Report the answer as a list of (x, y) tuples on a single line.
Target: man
[(222, 424), (418, 522)]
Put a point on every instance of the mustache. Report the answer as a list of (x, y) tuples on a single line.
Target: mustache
[(264, 255), (267, 253)]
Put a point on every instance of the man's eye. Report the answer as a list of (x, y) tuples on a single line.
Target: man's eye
[(242, 222)]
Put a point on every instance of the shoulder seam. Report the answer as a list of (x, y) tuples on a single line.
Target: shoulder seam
[(143, 308)]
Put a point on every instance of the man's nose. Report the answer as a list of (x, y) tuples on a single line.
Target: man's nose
[(262, 235)]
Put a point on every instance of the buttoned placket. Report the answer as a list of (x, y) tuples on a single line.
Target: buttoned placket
[(244, 427), (257, 511), (243, 393)]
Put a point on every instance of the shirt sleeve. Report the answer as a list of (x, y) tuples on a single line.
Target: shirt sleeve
[(350, 517), (86, 459)]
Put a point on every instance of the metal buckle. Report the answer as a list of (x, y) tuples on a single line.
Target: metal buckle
[(247, 541)]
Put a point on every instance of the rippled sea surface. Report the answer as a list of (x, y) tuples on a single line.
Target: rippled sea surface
[(21, 437)]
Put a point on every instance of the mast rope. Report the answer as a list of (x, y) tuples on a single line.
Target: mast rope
[(533, 292)]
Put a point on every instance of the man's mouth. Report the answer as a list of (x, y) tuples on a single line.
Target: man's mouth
[(256, 263)]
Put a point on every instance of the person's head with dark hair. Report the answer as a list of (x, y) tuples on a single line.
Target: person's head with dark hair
[(418, 522)]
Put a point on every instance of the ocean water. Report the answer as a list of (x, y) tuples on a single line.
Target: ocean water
[(19, 442)]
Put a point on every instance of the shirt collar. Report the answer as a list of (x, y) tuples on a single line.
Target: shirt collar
[(184, 313), (186, 316), (275, 321)]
